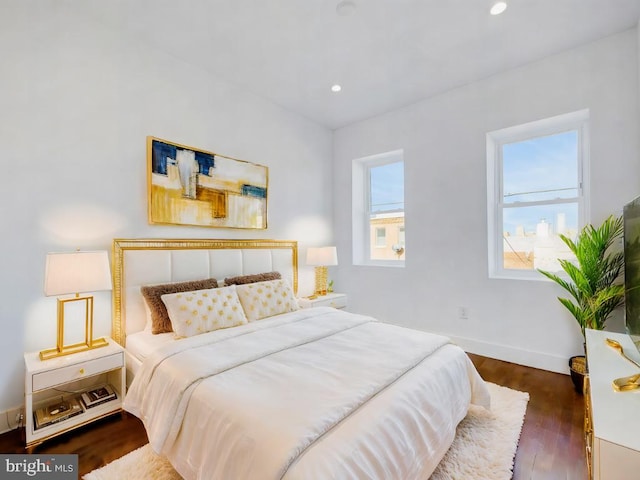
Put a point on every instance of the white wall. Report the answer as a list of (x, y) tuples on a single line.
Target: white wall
[(76, 103), (445, 192)]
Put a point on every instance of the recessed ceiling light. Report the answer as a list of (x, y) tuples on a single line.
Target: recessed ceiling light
[(498, 8), (336, 88), (345, 8)]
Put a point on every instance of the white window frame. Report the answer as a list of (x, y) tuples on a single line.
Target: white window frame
[(361, 182), (575, 121)]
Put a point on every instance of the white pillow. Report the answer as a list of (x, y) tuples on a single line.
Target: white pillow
[(200, 311), (265, 299)]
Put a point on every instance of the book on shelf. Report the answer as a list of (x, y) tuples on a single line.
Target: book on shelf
[(57, 412), (98, 395)]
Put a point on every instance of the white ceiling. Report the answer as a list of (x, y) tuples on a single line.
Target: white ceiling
[(387, 54)]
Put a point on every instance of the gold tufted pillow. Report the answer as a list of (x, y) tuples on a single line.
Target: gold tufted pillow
[(265, 299), (201, 311)]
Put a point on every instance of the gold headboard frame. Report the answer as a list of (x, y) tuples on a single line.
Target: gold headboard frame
[(120, 246)]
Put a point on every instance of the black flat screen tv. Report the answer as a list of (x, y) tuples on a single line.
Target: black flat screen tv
[(631, 218)]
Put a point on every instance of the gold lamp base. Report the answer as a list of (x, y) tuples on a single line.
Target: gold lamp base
[(321, 280), (88, 344), (74, 348)]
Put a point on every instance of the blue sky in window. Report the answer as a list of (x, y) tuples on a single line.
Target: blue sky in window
[(387, 187), (542, 168)]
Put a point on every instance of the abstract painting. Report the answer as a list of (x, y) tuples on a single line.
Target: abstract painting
[(189, 186)]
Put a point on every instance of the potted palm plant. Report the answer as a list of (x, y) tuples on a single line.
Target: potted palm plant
[(593, 281)]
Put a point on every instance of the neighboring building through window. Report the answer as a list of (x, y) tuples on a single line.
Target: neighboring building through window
[(378, 210), (536, 190)]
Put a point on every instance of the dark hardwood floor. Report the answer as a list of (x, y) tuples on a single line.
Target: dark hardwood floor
[(551, 446), (96, 444)]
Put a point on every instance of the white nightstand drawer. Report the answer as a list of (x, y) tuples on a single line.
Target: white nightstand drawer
[(338, 302), (335, 300), (58, 376)]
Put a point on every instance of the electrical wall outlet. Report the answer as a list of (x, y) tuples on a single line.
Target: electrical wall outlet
[(11, 419)]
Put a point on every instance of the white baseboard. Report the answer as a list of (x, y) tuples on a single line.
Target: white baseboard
[(528, 358), (9, 419)]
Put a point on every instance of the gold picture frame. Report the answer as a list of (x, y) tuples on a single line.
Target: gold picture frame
[(190, 186)]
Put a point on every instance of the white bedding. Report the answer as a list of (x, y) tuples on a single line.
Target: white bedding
[(142, 344), (317, 393)]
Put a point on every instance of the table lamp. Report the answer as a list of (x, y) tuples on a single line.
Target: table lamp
[(321, 258), (76, 273)]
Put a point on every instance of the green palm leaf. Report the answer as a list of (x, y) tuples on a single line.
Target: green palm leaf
[(593, 278)]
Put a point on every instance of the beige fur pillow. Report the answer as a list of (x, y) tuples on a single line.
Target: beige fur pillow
[(257, 277), (160, 322)]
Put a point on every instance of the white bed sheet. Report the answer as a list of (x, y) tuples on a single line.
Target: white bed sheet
[(234, 428), (141, 344)]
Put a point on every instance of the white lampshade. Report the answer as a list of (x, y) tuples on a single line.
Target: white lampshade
[(322, 256), (76, 272)]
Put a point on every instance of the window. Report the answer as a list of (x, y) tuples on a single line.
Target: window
[(536, 190), (381, 237), (401, 236), (378, 210)]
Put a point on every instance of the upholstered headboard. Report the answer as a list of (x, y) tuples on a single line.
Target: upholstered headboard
[(137, 262)]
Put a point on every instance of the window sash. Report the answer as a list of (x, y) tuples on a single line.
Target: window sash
[(369, 200), (361, 184), (577, 121)]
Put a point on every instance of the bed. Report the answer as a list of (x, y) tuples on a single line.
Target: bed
[(313, 393)]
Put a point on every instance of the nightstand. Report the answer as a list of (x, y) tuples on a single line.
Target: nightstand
[(48, 382), (335, 300)]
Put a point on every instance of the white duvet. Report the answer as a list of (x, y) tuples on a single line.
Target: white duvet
[(315, 394)]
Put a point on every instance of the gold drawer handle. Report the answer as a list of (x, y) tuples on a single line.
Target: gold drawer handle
[(82, 371)]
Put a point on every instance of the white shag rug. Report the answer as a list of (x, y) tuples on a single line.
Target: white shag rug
[(486, 441), (484, 447)]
